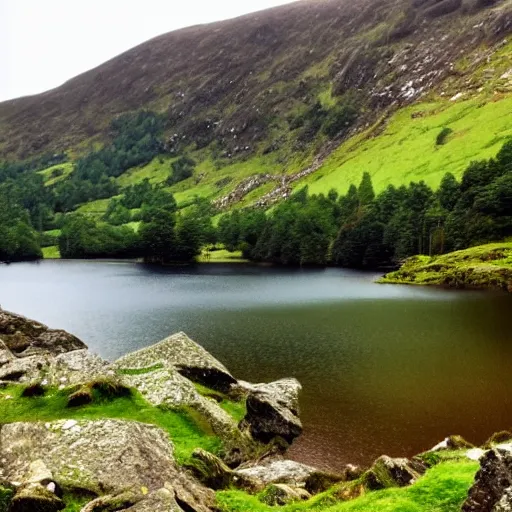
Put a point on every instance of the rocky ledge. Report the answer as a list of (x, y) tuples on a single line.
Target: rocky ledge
[(93, 462)]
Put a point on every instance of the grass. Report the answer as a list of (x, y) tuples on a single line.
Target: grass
[(184, 428), (96, 208), (483, 266), (222, 256), (156, 171), (236, 410), (56, 173), (140, 371), (51, 253), (406, 150), (442, 489)]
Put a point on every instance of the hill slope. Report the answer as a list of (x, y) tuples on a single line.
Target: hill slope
[(240, 96)]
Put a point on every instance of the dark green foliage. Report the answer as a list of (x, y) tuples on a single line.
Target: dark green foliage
[(12, 170), (18, 239), (443, 135), (364, 230), (82, 237), (182, 169), (340, 118), (117, 213), (6, 495), (136, 141), (365, 192)]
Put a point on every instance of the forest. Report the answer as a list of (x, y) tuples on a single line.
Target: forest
[(360, 229)]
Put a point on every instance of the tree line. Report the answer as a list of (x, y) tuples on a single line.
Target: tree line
[(358, 229), (361, 229)]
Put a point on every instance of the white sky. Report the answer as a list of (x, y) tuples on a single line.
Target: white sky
[(43, 43)]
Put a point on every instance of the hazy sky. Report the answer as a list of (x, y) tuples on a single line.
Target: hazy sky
[(43, 43)]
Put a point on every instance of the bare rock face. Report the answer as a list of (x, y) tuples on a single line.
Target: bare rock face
[(388, 472), (23, 336), (186, 356), (272, 411), (492, 490)]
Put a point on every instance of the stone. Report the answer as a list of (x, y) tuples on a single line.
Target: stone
[(278, 471), (388, 472), (209, 469), (320, 481), (282, 494), (453, 442), (169, 389), (186, 356), (272, 411), (498, 438), (505, 503), (35, 497), (491, 488), (20, 334), (104, 457)]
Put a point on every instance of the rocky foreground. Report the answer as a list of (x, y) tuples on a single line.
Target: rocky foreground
[(61, 448)]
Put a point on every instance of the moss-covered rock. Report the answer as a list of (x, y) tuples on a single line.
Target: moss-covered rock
[(497, 438), (210, 470), (35, 498), (282, 494), (388, 472)]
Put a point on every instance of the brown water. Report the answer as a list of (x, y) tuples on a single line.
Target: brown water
[(385, 369)]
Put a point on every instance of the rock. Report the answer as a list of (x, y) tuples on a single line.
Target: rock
[(35, 389), (491, 489), (320, 481), (454, 442), (278, 471), (186, 356), (39, 473), (20, 334), (35, 497), (110, 502), (505, 503), (5, 354), (272, 411), (388, 472), (498, 438), (169, 389), (282, 494), (104, 456), (209, 469)]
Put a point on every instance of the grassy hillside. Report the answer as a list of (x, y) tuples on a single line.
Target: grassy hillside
[(484, 266), (406, 148)]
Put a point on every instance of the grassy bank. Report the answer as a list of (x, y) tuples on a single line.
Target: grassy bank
[(443, 489), (185, 429), (483, 266)]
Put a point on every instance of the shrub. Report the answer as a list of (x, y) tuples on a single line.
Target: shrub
[(443, 135)]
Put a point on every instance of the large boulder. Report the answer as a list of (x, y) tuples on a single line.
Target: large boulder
[(278, 471), (186, 356), (169, 389), (26, 337), (104, 457), (388, 472), (273, 411), (491, 491)]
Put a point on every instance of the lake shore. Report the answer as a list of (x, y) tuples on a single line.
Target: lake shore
[(483, 267)]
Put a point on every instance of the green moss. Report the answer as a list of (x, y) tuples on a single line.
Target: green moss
[(6, 494), (236, 409), (442, 489), (139, 371), (483, 266), (186, 431)]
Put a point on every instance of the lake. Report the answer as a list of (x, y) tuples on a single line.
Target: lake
[(385, 368)]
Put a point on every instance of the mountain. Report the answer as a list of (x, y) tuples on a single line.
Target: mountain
[(311, 92)]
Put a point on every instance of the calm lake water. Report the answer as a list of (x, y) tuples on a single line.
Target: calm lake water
[(385, 369)]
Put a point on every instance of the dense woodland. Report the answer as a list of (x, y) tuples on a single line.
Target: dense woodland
[(359, 229)]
